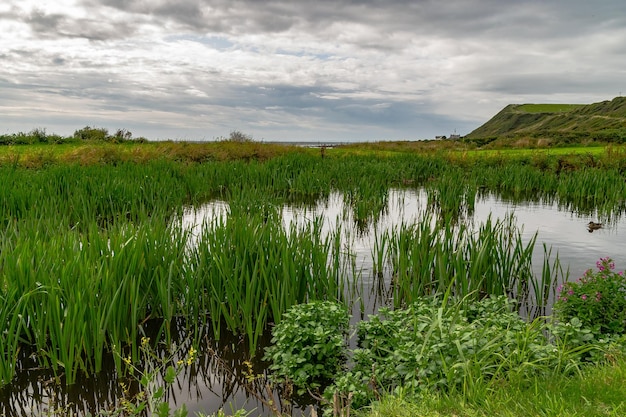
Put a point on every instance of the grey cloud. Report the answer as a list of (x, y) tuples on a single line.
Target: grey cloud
[(379, 68), (59, 60), (539, 84), (530, 18), (44, 23), (58, 26)]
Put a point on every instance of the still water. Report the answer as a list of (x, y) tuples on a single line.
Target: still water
[(566, 232), (218, 378)]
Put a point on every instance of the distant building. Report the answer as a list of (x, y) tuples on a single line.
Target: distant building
[(440, 137), (454, 136)]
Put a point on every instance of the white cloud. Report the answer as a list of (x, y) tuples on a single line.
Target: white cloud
[(289, 70)]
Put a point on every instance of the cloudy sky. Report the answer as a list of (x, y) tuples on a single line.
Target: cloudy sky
[(294, 70)]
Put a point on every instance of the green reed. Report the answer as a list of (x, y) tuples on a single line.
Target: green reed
[(13, 322), (247, 269), (592, 190), (89, 290), (451, 196), (429, 258), (89, 253)]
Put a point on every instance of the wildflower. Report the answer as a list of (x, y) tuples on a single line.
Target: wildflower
[(606, 288), (125, 388), (145, 341), (190, 356), (128, 361)]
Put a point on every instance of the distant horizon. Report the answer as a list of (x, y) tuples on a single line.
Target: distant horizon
[(302, 141), (225, 137)]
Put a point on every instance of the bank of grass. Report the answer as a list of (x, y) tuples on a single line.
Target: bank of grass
[(547, 108), (92, 153), (596, 391)]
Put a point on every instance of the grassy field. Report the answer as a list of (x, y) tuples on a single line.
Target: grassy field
[(596, 391), (547, 108), (89, 153)]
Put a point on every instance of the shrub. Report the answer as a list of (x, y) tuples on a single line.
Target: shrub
[(448, 347), (91, 133), (597, 299), (309, 345), (238, 136)]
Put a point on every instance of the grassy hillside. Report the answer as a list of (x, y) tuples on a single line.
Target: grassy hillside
[(557, 123)]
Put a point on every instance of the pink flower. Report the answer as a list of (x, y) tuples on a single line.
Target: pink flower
[(584, 297)]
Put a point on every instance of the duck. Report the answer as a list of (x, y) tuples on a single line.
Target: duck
[(594, 226)]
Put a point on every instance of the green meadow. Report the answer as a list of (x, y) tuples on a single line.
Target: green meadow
[(547, 108)]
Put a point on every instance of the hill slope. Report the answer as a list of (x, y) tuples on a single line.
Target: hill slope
[(599, 121)]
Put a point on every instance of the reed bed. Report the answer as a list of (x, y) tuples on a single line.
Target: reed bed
[(247, 269), (89, 253), (429, 257), (80, 293), (592, 190), (451, 197)]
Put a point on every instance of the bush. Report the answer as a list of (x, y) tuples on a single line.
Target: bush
[(238, 136), (455, 347), (597, 299), (91, 133), (309, 345)]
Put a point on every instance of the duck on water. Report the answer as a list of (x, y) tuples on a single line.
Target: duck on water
[(593, 226)]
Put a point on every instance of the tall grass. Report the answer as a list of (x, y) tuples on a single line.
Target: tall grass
[(247, 269), (89, 290), (91, 250), (430, 258), (451, 197)]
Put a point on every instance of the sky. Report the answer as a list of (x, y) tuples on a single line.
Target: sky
[(294, 70)]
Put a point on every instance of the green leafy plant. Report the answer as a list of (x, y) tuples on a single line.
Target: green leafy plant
[(597, 299), (309, 345), (449, 346)]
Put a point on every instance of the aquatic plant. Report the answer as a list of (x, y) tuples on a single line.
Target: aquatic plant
[(428, 258), (247, 270), (91, 248)]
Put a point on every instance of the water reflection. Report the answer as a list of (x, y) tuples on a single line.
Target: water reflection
[(220, 376)]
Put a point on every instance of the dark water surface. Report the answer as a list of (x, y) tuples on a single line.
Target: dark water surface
[(218, 378)]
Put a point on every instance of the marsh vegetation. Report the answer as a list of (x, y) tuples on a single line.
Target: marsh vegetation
[(95, 255)]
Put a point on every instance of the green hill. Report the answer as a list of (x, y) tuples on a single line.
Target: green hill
[(560, 123)]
